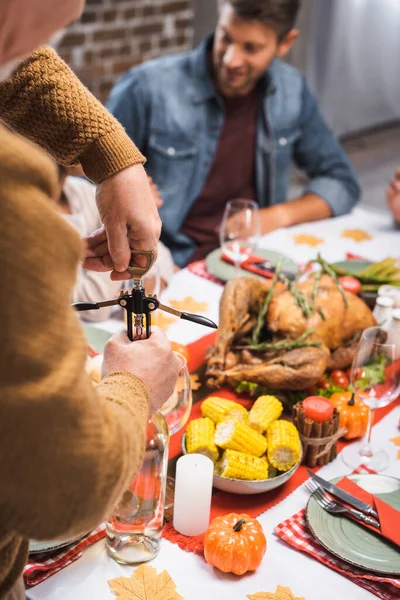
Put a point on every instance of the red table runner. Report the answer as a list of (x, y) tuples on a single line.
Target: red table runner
[(223, 502)]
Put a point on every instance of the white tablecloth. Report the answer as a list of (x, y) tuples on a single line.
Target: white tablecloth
[(195, 580)]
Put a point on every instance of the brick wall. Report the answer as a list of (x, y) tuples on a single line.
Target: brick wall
[(113, 35)]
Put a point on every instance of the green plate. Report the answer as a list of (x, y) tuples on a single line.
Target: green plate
[(223, 270), (96, 338), (353, 266), (354, 543)]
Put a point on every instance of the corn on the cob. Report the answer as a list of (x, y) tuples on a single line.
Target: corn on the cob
[(200, 438), (217, 409), (265, 410), (234, 435), (284, 446), (238, 465)]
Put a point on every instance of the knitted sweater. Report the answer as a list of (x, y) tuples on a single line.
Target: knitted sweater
[(47, 103), (67, 451)]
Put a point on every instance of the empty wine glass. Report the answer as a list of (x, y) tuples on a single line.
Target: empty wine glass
[(240, 230), (176, 412), (376, 381)]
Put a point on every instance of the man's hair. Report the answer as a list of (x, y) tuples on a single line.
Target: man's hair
[(279, 14)]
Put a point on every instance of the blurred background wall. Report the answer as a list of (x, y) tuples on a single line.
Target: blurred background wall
[(114, 35)]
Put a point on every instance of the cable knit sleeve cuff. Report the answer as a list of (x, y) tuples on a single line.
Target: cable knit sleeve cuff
[(109, 155), (127, 391)]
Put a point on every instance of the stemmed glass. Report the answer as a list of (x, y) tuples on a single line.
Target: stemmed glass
[(376, 382), (240, 230), (176, 412)]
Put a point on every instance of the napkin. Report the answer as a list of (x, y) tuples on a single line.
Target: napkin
[(295, 532), (389, 517), (42, 566)]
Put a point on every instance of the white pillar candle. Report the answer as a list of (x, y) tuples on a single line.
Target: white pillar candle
[(193, 488)]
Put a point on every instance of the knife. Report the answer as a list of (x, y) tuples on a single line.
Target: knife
[(345, 496)]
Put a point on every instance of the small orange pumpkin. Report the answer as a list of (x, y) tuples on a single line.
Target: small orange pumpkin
[(234, 543), (354, 414)]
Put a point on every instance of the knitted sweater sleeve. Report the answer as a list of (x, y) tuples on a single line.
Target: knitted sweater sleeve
[(46, 102), (67, 449)]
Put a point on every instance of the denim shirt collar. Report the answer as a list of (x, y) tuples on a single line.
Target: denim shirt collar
[(205, 85)]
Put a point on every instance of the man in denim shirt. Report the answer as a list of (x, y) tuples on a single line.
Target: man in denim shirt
[(225, 121)]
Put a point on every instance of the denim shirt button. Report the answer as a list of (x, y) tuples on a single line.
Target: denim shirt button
[(283, 141), (171, 151)]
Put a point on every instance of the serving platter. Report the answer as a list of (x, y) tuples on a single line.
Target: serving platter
[(352, 542)]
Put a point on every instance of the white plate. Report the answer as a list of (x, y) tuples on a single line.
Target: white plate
[(242, 486), (36, 547)]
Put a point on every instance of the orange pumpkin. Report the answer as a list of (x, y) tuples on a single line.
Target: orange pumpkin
[(354, 414), (234, 543)]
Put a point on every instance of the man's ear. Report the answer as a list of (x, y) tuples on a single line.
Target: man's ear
[(286, 44)]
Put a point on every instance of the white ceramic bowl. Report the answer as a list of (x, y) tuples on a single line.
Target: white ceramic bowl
[(242, 486)]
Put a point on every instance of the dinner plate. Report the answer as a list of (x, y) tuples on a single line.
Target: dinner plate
[(243, 486), (224, 271), (354, 543), (354, 267), (40, 547), (96, 338)]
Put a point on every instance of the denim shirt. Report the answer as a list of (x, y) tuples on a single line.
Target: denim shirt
[(174, 114)]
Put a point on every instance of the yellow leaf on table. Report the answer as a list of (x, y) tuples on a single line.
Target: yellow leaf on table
[(145, 584), (357, 235), (395, 440), (308, 240), (195, 382), (160, 320), (189, 304), (281, 593)]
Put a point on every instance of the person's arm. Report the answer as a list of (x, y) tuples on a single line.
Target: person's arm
[(393, 197), (128, 103), (67, 452), (306, 208), (333, 189), (47, 103)]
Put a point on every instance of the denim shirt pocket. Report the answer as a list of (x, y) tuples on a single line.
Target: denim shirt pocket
[(171, 160), (284, 141)]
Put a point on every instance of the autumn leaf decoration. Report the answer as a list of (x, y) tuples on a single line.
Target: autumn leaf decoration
[(189, 304), (396, 442), (145, 584), (281, 593)]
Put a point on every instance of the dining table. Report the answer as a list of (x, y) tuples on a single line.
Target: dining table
[(366, 233)]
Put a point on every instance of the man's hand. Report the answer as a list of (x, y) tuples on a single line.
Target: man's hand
[(393, 197), (152, 361), (130, 222)]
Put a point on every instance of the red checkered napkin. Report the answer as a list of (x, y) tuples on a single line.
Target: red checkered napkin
[(296, 533), (39, 569)]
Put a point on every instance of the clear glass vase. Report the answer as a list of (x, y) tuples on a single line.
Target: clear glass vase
[(134, 529)]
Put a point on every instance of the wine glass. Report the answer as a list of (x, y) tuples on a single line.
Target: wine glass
[(176, 409), (240, 230), (176, 412), (376, 383)]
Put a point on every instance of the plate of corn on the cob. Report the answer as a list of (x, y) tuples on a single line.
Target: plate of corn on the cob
[(253, 451)]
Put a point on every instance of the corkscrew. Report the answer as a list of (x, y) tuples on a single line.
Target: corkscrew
[(139, 306)]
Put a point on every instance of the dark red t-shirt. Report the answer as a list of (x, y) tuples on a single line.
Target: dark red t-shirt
[(232, 173)]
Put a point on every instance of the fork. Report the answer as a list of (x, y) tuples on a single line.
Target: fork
[(326, 502)]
